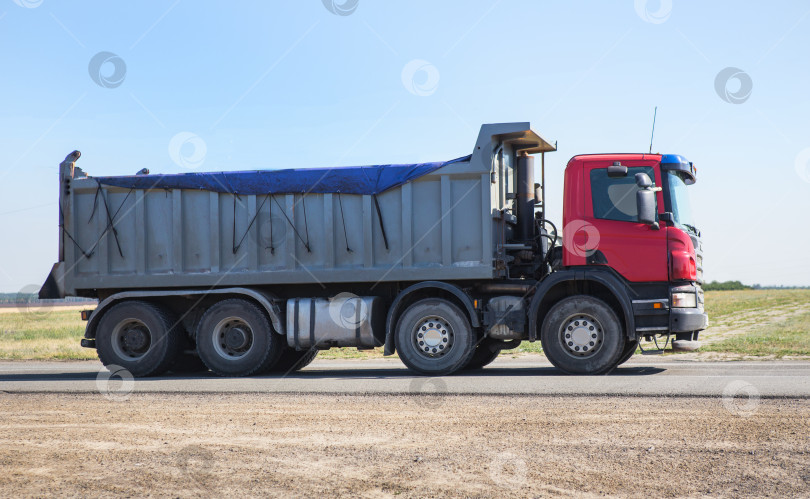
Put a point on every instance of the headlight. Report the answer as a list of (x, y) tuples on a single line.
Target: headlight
[(684, 300)]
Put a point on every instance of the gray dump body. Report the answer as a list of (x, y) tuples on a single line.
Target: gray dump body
[(439, 226)]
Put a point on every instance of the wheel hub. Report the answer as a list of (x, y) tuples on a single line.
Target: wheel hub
[(581, 335), (131, 339), (233, 338), (433, 337), (136, 339), (236, 338)]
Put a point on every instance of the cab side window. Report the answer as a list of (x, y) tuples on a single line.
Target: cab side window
[(614, 198)]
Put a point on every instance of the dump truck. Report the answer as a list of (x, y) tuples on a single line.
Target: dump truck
[(445, 264)]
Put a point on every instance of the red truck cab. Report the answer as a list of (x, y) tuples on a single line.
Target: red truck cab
[(660, 263)]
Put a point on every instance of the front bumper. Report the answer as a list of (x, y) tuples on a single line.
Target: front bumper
[(657, 316), (684, 320)]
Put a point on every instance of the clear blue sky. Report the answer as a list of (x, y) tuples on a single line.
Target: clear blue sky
[(290, 84)]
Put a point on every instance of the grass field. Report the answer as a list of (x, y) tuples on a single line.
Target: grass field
[(773, 323), (759, 323), (42, 334), (722, 305), (788, 338)]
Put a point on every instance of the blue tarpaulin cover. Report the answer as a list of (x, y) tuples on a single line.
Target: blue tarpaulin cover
[(346, 180)]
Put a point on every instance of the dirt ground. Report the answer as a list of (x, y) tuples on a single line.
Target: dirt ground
[(419, 446)]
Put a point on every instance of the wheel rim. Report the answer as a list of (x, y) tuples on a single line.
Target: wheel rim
[(433, 337), (232, 338), (131, 339), (581, 336)]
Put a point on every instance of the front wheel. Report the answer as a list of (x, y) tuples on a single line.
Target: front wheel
[(630, 347), (582, 335), (434, 337)]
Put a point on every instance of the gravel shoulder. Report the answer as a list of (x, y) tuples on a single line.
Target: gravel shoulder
[(195, 445)]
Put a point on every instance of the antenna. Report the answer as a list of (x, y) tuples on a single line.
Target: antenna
[(653, 129)]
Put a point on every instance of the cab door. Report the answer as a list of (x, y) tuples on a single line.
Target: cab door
[(635, 250)]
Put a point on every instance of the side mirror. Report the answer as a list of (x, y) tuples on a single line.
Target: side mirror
[(617, 170), (645, 200), (643, 181)]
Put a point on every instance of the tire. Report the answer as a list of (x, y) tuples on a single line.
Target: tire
[(293, 360), (138, 336), (630, 347), (186, 363), (452, 341), (595, 340), (482, 357), (235, 338)]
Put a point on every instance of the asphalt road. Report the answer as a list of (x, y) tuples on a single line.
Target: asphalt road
[(527, 375)]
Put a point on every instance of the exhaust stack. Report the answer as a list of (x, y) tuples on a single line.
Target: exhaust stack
[(525, 197)]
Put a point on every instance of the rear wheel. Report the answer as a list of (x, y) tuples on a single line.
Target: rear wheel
[(138, 336), (434, 337), (293, 360), (582, 335), (235, 338)]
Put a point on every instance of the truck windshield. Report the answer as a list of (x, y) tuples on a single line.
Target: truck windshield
[(679, 200)]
